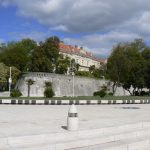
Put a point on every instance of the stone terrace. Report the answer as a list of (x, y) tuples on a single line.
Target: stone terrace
[(41, 127)]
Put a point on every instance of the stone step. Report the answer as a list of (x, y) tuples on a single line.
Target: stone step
[(130, 143), (68, 140), (139, 143)]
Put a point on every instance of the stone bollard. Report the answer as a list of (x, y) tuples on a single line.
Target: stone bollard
[(72, 120)]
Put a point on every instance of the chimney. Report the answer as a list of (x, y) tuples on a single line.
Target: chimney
[(76, 46)]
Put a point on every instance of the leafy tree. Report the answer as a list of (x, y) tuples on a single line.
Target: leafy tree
[(40, 62), (17, 54), (44, 57), (117, 65), (126, 66), (29, 83), (51, 47), (62, 65), (4, 75), (146, 56)]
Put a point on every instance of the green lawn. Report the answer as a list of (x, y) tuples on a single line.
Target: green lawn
[(85, 98)]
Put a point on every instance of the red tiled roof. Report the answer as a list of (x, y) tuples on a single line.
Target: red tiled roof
[(74, 50)]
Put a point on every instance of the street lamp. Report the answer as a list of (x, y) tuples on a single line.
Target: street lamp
[(10, 81), (73, 84)]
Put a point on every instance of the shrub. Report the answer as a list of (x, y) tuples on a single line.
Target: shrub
[(110, 94), (96, 93), (48, 92), (15, 93), (101, 93)]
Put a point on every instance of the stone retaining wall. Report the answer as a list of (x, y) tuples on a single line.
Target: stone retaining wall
[(63, 85)]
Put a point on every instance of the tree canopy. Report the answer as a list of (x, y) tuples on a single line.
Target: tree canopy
[(128, 65)]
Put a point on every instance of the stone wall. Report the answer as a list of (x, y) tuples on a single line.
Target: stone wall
[(62, 84)]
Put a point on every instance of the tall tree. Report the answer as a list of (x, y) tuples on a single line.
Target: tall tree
[(117, 65), (18, 53), (127, 67)]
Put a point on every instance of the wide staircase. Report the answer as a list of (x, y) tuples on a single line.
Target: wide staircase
[(124, 137)]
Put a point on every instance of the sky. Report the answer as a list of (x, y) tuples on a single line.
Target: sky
[(96, 25)]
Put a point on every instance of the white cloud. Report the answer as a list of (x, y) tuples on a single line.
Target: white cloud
[(119, 21), (80, 15), (102, 43)]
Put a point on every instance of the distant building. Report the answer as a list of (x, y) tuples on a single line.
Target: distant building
[(82, 57)]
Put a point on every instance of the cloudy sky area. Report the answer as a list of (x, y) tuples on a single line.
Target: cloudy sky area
[(96, 25)]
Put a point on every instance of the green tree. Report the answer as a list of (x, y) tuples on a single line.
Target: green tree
[(40, 62), (17, 54), (62, 65), (44, 57), (117, 66), (29, 83), (126, 66), (146, 56)]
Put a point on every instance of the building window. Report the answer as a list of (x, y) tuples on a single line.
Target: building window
[(82, 62)]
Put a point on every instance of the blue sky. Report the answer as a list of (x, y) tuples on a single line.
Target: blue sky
[(96, 25)]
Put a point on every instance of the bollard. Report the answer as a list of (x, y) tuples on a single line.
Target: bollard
[(72, 120)]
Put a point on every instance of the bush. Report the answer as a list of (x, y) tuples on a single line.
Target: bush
[(101, 93), (110, 94), (97, 93), (49, 93), (15, 93)]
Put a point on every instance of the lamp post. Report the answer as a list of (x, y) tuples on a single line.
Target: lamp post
[(73, 84), (72, 71), (10, 81)]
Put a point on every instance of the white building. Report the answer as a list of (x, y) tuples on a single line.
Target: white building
[(82, 57)]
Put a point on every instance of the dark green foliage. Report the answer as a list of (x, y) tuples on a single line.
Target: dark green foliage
[(40, 62), (45, 56), (97, 93), (62, 64), (83, 73), (17, 54), (15, 93), (102, 92), (48, 92), (110, 94), (129, 65)]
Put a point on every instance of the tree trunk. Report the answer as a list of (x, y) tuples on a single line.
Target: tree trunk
[(28, 90)]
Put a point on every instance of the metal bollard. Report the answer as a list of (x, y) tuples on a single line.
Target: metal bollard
[(72, 120)]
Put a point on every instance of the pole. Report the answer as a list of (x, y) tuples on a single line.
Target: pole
[(10, 80), (72, 84)]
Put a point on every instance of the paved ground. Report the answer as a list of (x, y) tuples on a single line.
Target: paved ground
[(18, 120)]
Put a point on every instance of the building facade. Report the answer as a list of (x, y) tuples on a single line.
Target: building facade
[(82, 57)]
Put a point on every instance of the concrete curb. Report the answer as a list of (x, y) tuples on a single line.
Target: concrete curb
[(70, 102)]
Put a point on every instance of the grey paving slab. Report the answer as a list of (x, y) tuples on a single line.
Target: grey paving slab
[(19, 120)]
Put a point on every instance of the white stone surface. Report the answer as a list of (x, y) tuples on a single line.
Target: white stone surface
[(33, 124)]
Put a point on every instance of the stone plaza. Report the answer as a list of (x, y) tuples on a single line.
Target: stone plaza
[(101, 127)]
